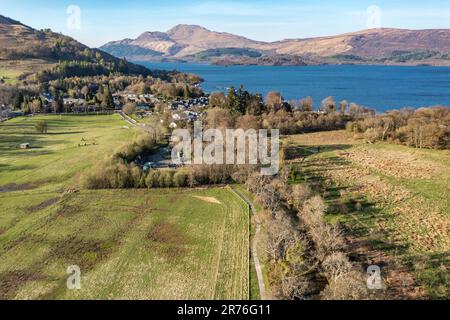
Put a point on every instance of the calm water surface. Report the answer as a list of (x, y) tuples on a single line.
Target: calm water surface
[(378, 87)]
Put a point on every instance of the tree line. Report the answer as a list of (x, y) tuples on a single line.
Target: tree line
[(421, 128), (304, 255)]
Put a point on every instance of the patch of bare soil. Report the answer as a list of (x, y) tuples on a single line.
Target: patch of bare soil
[(84, 253), (21, 239), (397, 281), (12, 281), (43, 205), (209, 199), (395, 163), (67, 210), (167, 233), (11, 187), (168, 239)]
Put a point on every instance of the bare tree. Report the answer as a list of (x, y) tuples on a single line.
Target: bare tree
[(217, 100), (273, 101), (343, 106), (328, 105), (306, 104), (129, 108)]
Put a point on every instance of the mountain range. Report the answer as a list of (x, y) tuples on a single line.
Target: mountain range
[(193, 43)]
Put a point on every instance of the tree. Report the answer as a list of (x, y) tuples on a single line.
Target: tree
[(355, 110), (57, 104), (6, 95), (129, 108), (219, 119), (232, 100), (306, 104), (172, 90), (243, 99), (108, 101), (248, 122), (187, 92), (41, 127), (273, 101), (254, 106), (85, 92), (343, 106), (328, 105), (36, 105), (217, 100), (18, 100)]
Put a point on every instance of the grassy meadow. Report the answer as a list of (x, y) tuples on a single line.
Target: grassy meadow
[(129, 244), (9, 76), (393, 202), (11, 70)]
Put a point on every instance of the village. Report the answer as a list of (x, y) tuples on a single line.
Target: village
[(146, 105)]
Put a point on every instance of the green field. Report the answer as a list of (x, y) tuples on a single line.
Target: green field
[(129, 244), (394, 202), (9, 76), (11, 70)]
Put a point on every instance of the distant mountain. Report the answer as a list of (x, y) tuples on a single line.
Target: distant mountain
[(196, 39), (369, 44), (374, 46), (182, 41), (20, 43)]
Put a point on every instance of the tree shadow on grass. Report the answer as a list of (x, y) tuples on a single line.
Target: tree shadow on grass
[(49, 133), (57, 133), (301, 152), (312, 172), (10, 168)]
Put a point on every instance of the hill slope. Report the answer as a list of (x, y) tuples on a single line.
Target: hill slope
[(373, 43), (21, 45), (377, 46)]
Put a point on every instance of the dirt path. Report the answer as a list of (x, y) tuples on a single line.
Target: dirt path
[(127, 119), (134, 123), (258, 268)]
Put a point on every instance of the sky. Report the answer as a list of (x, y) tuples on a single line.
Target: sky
[(96, 22)]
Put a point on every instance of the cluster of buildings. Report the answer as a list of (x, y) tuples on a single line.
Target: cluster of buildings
[(181, 110), (186, 110), (183, 116), (139, 99), (189, 104)]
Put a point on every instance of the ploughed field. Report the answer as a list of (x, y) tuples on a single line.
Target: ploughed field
[(393, 203), (129, 244)]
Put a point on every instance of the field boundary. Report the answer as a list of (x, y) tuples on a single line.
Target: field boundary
[(255, 242)]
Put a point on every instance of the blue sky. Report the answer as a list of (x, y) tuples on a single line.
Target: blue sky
[(105, 20)]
